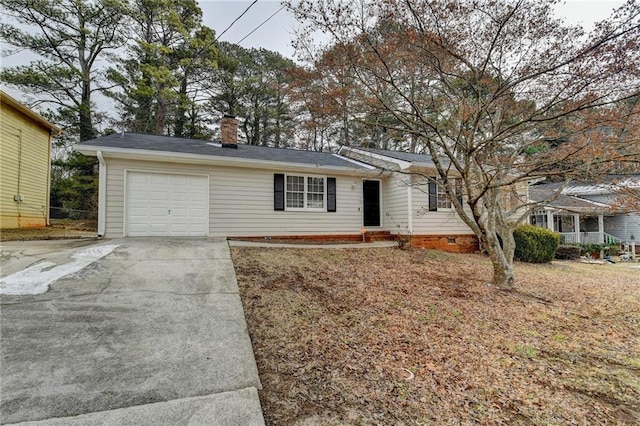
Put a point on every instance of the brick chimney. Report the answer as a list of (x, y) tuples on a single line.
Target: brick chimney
[(229, 131)]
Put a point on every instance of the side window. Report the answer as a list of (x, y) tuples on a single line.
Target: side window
[(438, 198)]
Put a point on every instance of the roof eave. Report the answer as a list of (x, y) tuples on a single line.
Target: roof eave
[(12, 103), (179, 157), (402, 165)]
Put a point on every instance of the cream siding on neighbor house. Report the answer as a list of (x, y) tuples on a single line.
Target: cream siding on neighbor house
[(241, 201), (440, 222), (395, 197), (24, 171)]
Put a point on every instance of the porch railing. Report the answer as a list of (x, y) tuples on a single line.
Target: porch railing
[(588, 237)]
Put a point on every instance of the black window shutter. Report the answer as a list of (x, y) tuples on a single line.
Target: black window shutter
[(278, 191), (331, 194), (433, 197)]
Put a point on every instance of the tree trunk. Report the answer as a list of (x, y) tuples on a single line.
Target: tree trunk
[(503, 276), (500, 251), (181, 113), (85, 123), (160, 111)]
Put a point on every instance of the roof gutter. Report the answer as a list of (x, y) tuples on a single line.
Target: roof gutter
[(102, 194)]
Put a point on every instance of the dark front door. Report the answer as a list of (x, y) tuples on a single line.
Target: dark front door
[(371, 202)]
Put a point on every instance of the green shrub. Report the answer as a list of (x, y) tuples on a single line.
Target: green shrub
[(591, 248), (568, 252), (614, 250), (535, 244)]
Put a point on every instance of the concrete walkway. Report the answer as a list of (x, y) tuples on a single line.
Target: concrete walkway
[(374, 244), (153, 333)]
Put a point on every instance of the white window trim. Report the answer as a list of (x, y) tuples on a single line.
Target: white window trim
[(305, 208)]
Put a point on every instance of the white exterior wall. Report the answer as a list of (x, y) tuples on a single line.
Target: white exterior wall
[(434, 223), (241, 201), (623, 227), (395, 196)]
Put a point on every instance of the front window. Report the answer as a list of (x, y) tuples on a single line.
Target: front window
[(305, 193)]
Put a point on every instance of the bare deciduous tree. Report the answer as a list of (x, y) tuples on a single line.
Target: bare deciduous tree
[(499, 93)]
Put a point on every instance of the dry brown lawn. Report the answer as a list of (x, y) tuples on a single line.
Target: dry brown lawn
[(59, 229), (386, 336)]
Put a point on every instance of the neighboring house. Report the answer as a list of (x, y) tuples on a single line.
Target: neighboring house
[(25, 165), (165, 186), (588, 212)]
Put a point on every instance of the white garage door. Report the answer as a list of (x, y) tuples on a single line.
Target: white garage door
[(163, 204)]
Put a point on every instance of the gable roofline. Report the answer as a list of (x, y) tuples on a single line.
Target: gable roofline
[(403, 165), (180, 157), (32, 115), (404, 160), (604, 188)]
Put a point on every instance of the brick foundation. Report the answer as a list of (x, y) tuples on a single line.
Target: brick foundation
[(450, 243), (369, 237)]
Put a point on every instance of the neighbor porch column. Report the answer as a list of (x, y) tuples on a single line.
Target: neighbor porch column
[(550, 220), (601, 228), (576, 227)]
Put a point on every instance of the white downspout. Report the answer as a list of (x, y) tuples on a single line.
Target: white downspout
[(410, 208), (102, 194)]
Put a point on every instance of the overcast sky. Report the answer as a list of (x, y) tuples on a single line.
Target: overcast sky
[(277, 33)]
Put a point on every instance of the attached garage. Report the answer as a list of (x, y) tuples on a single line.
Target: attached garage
[(166, 204)]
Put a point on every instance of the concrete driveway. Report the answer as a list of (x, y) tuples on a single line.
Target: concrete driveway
[(147, 331)]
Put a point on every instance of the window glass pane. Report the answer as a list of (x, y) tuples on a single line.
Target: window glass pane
[(315, 193), (295, 183), (295, 192), (315, 201), (443, 199)]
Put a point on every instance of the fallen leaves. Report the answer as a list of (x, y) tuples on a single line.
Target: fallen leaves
[(384, 336)]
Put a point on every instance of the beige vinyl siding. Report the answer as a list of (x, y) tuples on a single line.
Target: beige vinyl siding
[(433, 223), (395, 198), (241, 201), (24, 170)]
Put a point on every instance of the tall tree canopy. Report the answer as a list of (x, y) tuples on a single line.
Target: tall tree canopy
[(253, 84), (478, 85), (170, 55), (69, 38)]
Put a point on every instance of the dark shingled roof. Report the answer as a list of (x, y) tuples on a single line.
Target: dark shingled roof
[(565, 202), (140, 141)]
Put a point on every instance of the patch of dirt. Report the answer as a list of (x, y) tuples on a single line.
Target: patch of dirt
[(59, 229), (388, 336)]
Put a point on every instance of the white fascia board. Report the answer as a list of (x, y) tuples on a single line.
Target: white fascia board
[(596, 203), (366, 166), (185, 158), (401, 163)]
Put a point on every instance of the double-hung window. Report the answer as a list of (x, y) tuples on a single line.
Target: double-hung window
[(444, 202), (438, 198), (305, 193)]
